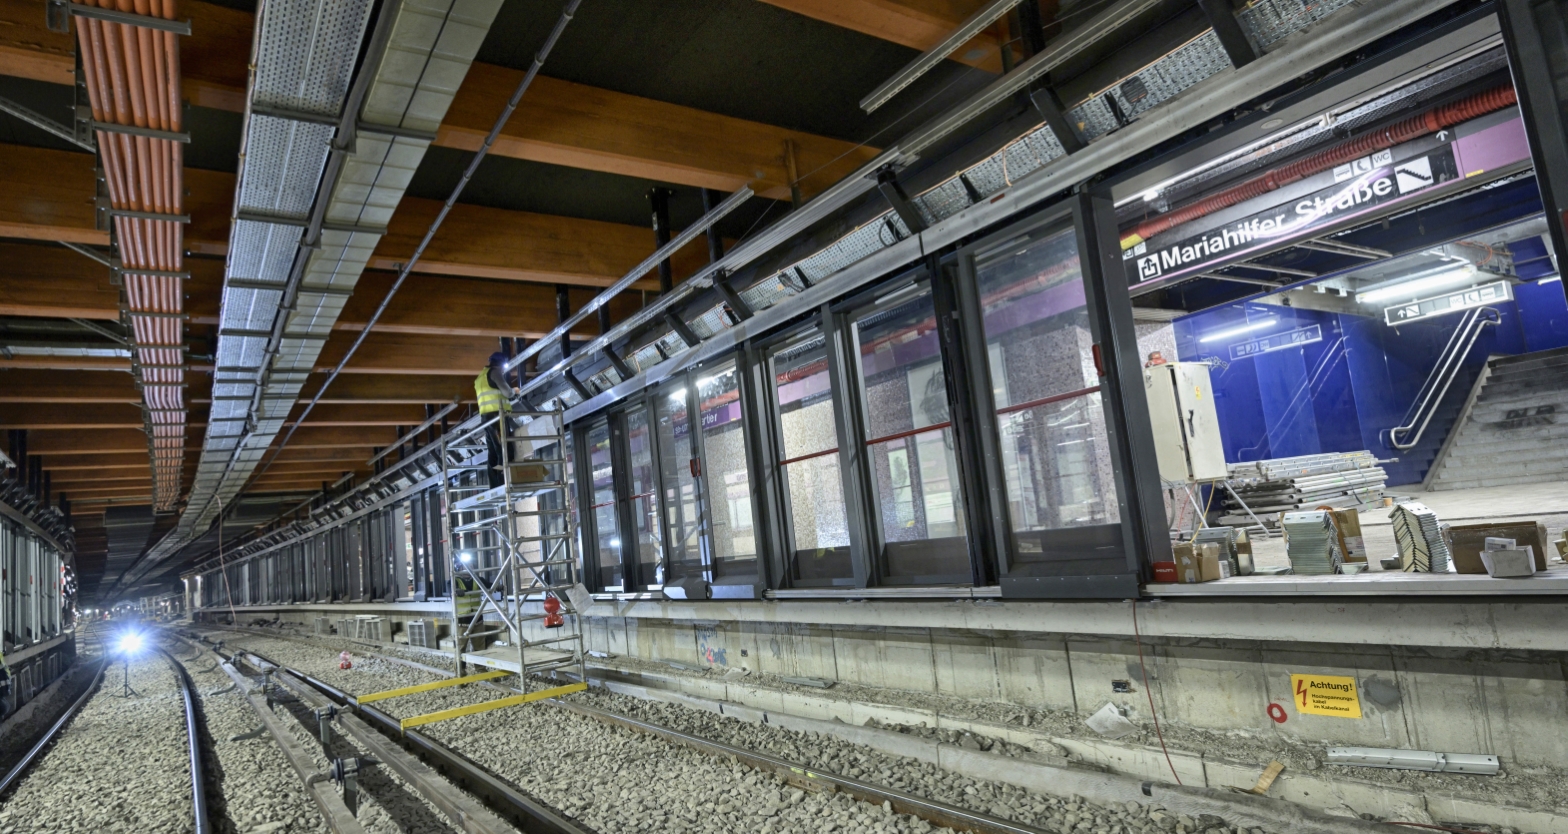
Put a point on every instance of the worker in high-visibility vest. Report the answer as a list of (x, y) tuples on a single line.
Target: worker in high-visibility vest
[(495, 397), (466, 596)]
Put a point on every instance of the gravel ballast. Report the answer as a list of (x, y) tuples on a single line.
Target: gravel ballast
[(616, 780), (259, 790), (120, 766)]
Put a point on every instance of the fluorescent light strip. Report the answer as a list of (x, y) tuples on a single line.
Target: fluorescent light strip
[(1237, 331), (1418, 284)]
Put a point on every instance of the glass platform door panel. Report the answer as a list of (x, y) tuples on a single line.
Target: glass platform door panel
[(643, 500), (1049, 419), (606, 526), (725, 473), (686, 540), (910, 442), (819, 549)]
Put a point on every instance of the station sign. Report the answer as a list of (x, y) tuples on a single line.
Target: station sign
[(1453, 302), (1277, 341), (1359, 185)]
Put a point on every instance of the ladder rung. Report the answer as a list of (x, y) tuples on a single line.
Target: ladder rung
[(536, 486), (476, 525), (552, 641), (546, 563)]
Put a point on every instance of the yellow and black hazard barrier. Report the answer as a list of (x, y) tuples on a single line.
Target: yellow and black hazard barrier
[(426, 687), (475, 709)]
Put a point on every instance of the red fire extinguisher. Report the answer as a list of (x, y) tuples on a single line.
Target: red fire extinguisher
[(552, 612)]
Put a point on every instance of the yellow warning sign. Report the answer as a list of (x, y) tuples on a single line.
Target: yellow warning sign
[(1326, 695)]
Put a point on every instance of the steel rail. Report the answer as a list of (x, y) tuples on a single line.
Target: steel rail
[(334, 813), (498, 795), (20, 769), (193, 735), (799, 775)]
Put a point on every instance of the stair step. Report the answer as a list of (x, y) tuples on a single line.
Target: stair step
[(1502, 402), (1515, 480), (1540, 356), (1554, 381), (1505, 457)]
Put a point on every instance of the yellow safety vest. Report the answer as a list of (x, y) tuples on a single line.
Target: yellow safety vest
[(491, 400), (466, 596)]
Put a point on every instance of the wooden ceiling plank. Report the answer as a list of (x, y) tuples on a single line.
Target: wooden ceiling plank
[(559, 122), (917, 24)]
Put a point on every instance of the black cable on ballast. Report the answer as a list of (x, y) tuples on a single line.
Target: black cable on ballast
[(457, 190)]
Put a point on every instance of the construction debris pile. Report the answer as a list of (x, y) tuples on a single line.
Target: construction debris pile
[(1271, 487)]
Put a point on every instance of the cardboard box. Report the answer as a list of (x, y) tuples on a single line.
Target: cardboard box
[(1164, 571), (1209, 563), (1351, 544), (1509, 563), (529, 472), (1466, 541), (1186, 563), (1194, 565)]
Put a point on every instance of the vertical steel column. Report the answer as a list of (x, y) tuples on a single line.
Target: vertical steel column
[(957, 368), (563, 311), (660, 200), (1535, 33), (1137, 470), (711, 198)]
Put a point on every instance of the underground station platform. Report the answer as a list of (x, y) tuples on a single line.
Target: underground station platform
[(599, 416)]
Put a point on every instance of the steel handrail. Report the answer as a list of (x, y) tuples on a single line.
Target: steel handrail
[(1442, 377)]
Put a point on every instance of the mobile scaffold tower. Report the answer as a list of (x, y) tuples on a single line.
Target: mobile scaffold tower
[(516, 594)]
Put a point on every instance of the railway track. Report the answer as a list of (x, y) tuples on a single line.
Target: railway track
[(116, 756), (755, 790)]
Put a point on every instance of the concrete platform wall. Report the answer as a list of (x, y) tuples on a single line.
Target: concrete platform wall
[(1510, 703), (1456, 676)]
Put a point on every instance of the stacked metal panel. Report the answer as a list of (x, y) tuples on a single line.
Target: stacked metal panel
[(1420, 539), (1282, 485), (1312, 543), (133, 86)]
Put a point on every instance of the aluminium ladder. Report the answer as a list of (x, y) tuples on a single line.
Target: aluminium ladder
[(512, 546)]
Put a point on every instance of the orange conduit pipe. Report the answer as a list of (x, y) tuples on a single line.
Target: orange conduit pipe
[(133, 79), (1414, 127)]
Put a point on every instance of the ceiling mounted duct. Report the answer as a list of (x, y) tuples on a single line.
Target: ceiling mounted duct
[(131, 66), (327, 157)]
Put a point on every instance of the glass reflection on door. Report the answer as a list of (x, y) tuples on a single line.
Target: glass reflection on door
[(679, 466), (725, 475), (606, 526), (819, 527), (643, 500), (910, 440), (1050, 423)]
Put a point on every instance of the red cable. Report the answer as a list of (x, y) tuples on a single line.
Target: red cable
[(1138, 641), (1416, 126)]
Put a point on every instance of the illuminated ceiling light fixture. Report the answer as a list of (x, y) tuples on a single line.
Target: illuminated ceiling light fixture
[(1237, 331), (1412, 286)]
